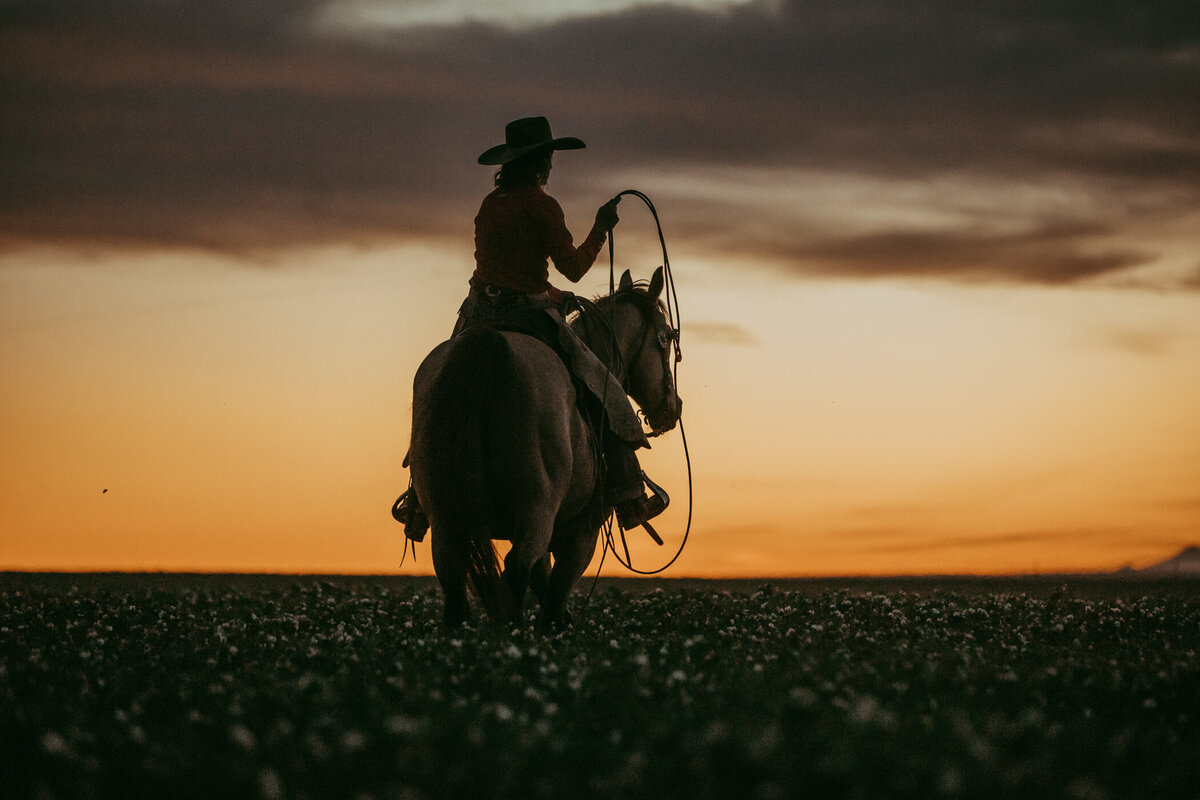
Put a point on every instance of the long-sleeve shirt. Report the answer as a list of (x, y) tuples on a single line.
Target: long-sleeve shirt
[(517, 230)]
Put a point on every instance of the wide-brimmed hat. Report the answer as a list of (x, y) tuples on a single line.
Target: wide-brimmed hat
[(523, 136)]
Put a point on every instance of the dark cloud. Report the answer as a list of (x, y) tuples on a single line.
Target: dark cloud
[(209, 125), (721, 333), (241, 125), (1141, 342), (1050, 255), (1192, 281)]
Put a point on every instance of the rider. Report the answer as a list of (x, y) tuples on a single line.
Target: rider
[(517, 230)]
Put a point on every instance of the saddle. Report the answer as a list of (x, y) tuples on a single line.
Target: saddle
[(544, 328), (517, 312)]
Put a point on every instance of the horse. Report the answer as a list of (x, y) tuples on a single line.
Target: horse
[(501, 451)]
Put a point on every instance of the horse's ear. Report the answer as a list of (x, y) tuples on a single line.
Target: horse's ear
[(626, 282), (656, 284)]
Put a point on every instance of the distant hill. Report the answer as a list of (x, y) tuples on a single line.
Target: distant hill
[(1185, 562)]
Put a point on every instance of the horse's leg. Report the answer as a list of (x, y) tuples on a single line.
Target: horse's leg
[(575, 544), (539, 579), (530, 544), (453, 578)]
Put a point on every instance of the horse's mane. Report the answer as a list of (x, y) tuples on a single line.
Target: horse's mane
[(599, 305), (592, 320)]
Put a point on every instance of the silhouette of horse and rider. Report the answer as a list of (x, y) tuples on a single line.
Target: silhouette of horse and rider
[(522, 426)]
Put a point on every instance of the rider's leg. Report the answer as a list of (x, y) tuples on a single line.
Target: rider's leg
[(407, 510), (625, 487), (624, 479)]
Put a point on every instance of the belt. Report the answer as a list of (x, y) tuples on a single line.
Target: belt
[(491, 304), (509, 298)]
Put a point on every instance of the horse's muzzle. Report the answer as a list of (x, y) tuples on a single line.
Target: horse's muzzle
[(665, 417)]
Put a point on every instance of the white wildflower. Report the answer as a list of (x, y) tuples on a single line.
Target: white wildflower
[(352, 741), (269, 785), (54, 743), (242, 736)]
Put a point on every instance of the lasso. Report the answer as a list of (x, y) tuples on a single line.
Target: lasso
[(672, 302)]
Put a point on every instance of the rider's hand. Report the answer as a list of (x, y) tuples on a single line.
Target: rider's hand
[(558, 296), (606, 216)]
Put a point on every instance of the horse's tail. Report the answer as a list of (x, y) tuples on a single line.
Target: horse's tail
[(461, 412)]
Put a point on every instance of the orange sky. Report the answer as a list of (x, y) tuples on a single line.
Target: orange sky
[(970, 346), (256, 419)]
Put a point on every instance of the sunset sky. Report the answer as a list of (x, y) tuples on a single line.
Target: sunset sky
[(938, 267)]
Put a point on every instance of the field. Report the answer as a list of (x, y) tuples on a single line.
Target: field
[(293, 687)]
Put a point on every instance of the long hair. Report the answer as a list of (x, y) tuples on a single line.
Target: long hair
[(531, 169)]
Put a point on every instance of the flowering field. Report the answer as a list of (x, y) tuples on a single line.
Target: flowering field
[(319, 689)]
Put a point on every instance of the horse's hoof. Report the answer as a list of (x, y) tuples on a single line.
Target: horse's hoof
[(452, 621), (557, 624)]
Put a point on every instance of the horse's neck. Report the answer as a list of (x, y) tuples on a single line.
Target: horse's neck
[(600, 338)]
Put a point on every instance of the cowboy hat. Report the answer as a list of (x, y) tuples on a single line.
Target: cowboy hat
[(523, 136)]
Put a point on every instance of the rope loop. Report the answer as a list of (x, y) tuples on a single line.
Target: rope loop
[(672, 303)]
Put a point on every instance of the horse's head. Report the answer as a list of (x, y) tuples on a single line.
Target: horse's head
[(645, 338)]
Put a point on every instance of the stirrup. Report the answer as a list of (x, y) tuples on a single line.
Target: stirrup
[(656, 489), (659, 498), (408, 512), (661, 493)]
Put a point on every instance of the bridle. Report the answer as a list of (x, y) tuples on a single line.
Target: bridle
[(666, 335), (651, 323)]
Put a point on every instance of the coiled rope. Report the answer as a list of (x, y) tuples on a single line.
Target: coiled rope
[(672, 304)]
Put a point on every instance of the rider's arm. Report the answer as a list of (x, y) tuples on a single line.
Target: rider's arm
[(573, 262)]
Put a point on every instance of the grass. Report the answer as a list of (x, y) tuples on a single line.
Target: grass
[(305, 688)]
